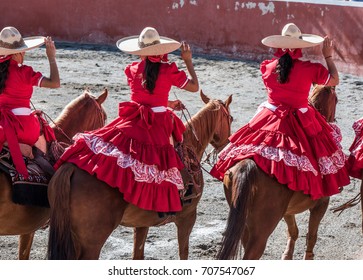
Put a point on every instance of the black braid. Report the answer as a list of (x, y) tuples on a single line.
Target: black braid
[(4, 66), (283, 68), (151, 73)]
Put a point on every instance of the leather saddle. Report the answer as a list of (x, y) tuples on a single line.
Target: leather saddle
[(31, 190)]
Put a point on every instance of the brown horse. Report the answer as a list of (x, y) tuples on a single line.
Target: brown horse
[(258, 202), (24, 220), (85, 211)]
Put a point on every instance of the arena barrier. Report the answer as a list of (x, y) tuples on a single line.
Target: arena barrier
[(227, 28)]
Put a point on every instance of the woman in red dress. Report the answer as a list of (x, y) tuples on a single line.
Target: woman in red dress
[(287, 138), (19, 126), (355, 160), (135, 153)]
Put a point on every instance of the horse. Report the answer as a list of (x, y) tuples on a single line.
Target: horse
[(24, 220), (80, 203), (258, 202)]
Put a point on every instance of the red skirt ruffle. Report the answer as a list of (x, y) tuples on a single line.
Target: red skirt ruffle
[(133, 153), (355, 160), (301, 150)]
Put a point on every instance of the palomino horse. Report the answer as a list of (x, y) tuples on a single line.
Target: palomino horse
[(258, 202), (24, 220), (80, 203)]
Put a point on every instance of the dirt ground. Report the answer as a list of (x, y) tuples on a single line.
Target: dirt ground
[(96, 67)]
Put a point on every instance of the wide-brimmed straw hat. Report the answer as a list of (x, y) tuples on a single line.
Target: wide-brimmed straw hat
[(12, 42), (292, 38), (148, 43)]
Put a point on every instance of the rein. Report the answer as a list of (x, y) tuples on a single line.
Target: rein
[(49, 119), (190, 124)]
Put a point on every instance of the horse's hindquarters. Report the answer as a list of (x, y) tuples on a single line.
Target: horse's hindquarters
[(93, 210)]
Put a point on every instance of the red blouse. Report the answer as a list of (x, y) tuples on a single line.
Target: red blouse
[(19, 86), (169, 75), (295, 92)]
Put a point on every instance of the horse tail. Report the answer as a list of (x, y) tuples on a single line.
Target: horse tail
[(60, 243), (245, 176)]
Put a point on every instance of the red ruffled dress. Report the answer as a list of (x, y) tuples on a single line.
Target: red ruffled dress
[(17, 123), (133, 153), (355, 160), (289, 139)]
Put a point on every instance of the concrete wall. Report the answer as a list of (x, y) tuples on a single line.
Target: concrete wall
[(219, 27)]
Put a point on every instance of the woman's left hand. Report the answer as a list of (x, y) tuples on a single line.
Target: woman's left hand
[(50, 48), (176, 105), (328, 47)]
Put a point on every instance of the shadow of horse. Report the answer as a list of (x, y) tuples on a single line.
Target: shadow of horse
[(24, 220), (258, 202), (85, 210)]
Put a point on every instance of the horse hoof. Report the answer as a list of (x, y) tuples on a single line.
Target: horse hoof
[(308, 256), (286, 257)]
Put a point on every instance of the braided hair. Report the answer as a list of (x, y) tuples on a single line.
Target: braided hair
[(150, 74), (283, 68), (4, 66)]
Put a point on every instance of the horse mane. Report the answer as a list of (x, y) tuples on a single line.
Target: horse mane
[(83, 103), (324, 99), (199, 120)]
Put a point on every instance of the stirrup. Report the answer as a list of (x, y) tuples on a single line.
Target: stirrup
[(190, 187), (191, 196)]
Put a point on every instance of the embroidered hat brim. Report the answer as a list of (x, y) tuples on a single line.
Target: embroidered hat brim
[(130, 45), (281, 41), (29, 43)]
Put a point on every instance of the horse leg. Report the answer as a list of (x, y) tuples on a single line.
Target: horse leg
[(269, 204), (260, 227), (96, 210), (257, 204), (316, 215), (292, 235), (185, 224), (25, 245), (140, 234)]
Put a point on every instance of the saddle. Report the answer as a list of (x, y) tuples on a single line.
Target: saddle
[(32, 190)]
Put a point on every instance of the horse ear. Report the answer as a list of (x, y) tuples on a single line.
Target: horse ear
[(228, 101), (102, 97), (204, 97)]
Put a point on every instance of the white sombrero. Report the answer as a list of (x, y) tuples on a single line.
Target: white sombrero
[(292, 38), (148, 43), (12, 42)]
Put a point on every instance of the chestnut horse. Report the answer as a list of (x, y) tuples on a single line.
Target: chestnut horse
[(24, 220), (258, 202), (85, 210)]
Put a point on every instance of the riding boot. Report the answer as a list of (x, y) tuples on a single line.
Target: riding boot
[(192, 189), (39, 158)]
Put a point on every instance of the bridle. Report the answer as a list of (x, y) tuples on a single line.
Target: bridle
[(214, 151)]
